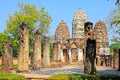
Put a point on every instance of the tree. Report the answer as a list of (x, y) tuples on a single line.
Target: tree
[(33, 17), (113, 46), (3, 37), (114, 23)]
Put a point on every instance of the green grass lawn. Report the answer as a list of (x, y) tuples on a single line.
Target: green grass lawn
[(8, 76), (83, 77), (59, 77)]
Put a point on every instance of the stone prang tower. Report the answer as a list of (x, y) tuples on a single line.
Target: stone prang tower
[(79, 19)]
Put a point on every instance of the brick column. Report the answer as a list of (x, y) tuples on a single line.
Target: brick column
[(7, 64), (37, 51), (54, 56), (80, 55), (61, 55), (59, 51), (46, 53), (23, 57), (70, 57), (117, 58)]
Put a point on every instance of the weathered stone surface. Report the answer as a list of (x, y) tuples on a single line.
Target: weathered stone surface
[(79, 19), (54, 56), (46, 53), (89, 64), (75, 49), (74, 55), (101, 36), (62, 32), (76, 43), (80, 55), (88, 30), (23, 57), (65, 56), (117, 58), (59, 51), (37, 51), (7, 58)]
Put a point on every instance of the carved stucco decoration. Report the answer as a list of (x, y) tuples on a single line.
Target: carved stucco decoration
[(62, 32), (79, 19)]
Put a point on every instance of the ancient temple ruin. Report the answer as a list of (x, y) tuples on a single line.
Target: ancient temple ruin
[(61, 35), (101, 36), (62, 32), (102, 43), (70, 50)]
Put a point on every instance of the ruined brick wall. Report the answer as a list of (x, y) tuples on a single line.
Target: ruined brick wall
[(79, 42), (75, 45)]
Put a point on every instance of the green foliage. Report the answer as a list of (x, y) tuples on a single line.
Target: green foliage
[(3, 37), (114, 22), (7, 76), (115, 17), (113, 46), (33, 17), (83, 77)]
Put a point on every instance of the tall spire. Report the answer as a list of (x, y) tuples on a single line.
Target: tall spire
[(79, 19)]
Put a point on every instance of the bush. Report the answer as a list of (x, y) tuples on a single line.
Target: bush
[(84, 77), (8, 76)]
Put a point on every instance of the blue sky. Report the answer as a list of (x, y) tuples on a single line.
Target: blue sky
[(60, 10)]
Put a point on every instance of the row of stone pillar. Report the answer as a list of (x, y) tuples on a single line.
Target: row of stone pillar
[(24, 51), (23, 57)]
